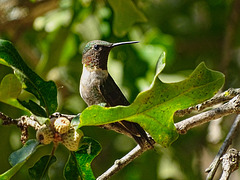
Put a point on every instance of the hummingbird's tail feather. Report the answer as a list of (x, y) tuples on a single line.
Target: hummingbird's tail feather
[(133, 130), (138, 134)]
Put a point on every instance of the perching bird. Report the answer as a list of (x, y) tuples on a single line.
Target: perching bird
[(97, 87)]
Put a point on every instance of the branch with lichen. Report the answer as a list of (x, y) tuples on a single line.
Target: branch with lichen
[(230, 163), (217, 99), (23, 123), (233, 106), (229, 104), (211, 170)]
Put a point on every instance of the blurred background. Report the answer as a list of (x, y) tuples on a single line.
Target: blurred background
[(51, 34)]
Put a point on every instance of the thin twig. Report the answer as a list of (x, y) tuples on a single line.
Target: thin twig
[(7, 120), (211, 170), (125, 160), (233, 106), (230, 163), (217, 99), (23, 123)]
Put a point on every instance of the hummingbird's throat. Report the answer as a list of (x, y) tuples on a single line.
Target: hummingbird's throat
[(95, 61)]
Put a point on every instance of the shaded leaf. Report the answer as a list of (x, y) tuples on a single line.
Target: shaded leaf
[(153, 109), (79, 164), (126, 15), (44, 91), (62, 155), (72, 170), (34, 108), (40, 169), (41, 151), (10, 88), (23, 153), (25, 158)]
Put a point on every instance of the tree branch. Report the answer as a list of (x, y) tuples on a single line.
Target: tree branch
[(230, 163), (125, 160), (23, 123), (7, 120), (183, 126), (211, 170), (233, 106), (217, 99)]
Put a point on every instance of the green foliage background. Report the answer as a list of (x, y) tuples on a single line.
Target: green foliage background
[(188, 31)]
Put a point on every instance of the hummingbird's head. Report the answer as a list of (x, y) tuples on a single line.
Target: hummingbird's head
[(95, 53)]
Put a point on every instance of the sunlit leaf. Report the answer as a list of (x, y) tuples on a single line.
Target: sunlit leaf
[(79, 164), (161, 63), (11, 172), (154, 109), (126, 15), (45, 91), (10, 88)]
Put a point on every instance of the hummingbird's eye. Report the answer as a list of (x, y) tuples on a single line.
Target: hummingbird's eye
[(96, 47)]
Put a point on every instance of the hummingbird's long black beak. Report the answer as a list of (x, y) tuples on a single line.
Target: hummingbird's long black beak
[(123, 43)]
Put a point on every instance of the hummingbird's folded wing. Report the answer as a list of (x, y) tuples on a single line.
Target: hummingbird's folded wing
[(114, 96), (112, 93)]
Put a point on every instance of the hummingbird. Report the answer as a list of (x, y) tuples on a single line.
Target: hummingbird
[(98, 87)]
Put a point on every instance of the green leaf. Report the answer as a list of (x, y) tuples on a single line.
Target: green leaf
[(161, 63), (79, 164), (33, 107), (42, 120), (23, 153), (18, 158), (11, 172), (40, 151), (45, 91), (75, 121), (40, 169), (25, 158), (62, 155), (126, 15), (154, 109), (10, 88)]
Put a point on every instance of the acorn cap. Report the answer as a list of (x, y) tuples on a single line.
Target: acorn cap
[(45, 134), (61, 125), (71, 139)]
